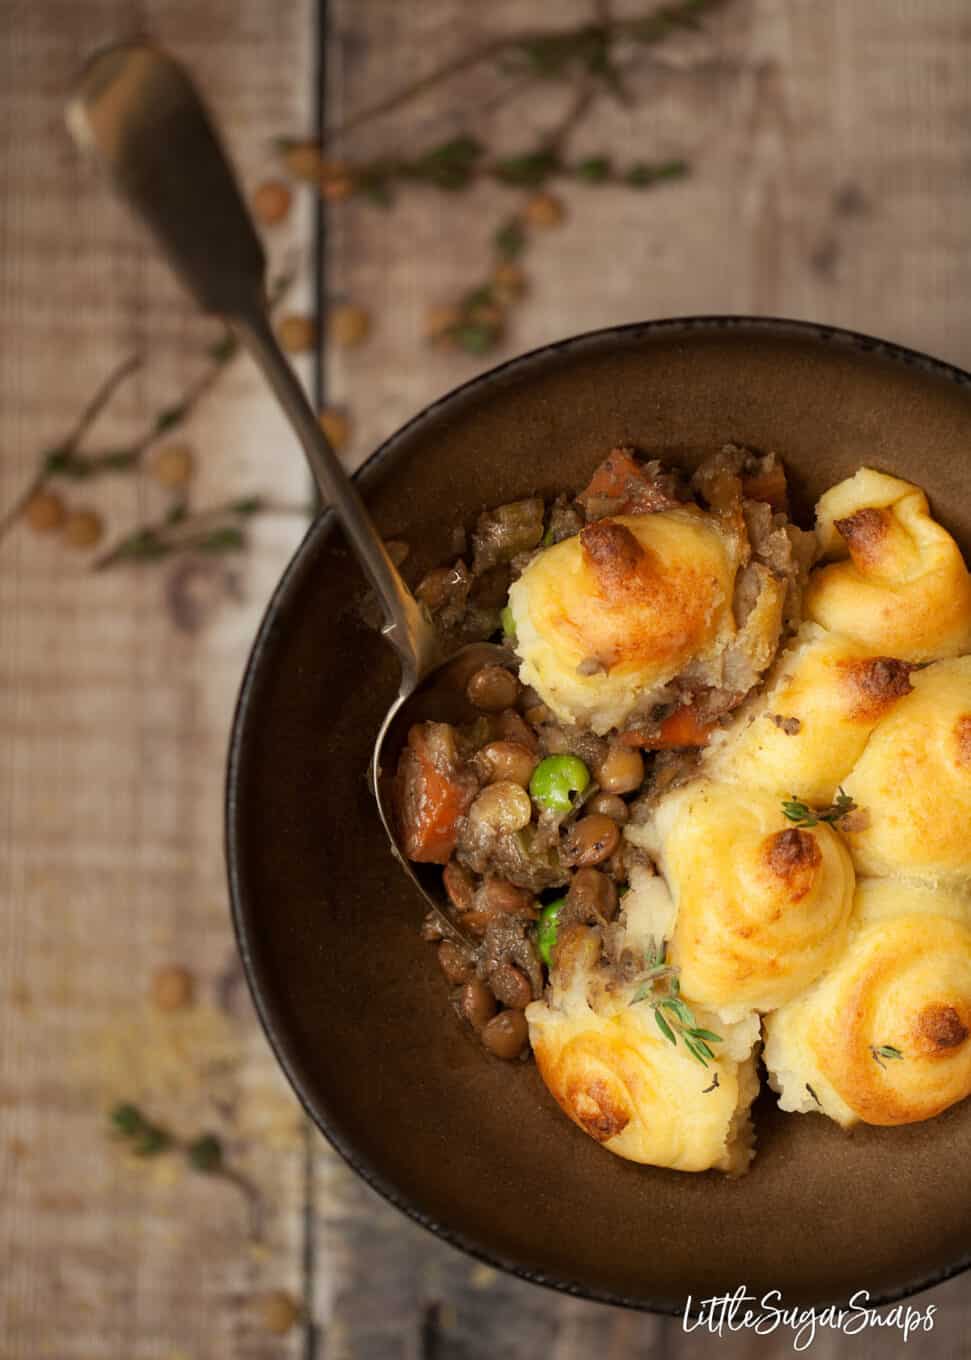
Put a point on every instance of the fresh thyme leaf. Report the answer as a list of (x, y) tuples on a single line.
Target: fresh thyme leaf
[(146, 1139), (550, 56), (642, 175), (456, 151), (677, 1007), (478, 297), (695, 1050), (653, 27), (170, 417), (152, 1141), (595, 169), (376, 187), (664, 1027), (527, 171), (450, 165), (885, 1051), (127, 1119), (510, 239), (548, 539), (842, 805), (64, 462), (248, 505), (707, 1035), (117, 461), (795, 810), (221, 351), (143, 545), (476, 337), (205, 1154), (228, 539)]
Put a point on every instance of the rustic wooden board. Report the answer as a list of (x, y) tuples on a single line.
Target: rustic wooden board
[(831, 170)]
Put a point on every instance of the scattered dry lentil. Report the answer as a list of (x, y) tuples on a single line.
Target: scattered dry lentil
[(508, 283), (277, 1311), (544, 210), (173, 988), (83, 528), (271, 202), (302, 160), (349, 324), (44, 512), (297, 334), (173, 465), (336, 426), (439, 322)]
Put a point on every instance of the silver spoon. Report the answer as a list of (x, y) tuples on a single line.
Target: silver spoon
[(138, 113)]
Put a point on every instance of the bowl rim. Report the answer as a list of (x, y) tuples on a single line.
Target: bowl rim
[(292, 576)]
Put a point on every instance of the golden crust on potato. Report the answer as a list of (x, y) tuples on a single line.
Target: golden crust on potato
[(885, 1037), (607, 616), (612, 1072), (912, 784), (899, 584), (628, 1088), (810, 724), (761, 906)]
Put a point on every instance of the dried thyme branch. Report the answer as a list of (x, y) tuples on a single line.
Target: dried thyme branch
[(454, 165), (217, 530), (67, 449), (65, 460), (550, 54), (204, 1154)]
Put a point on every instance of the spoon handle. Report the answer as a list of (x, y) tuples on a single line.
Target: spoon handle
[(405, 627), (139, 113)]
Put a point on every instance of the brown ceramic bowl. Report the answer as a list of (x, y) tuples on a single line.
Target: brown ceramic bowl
[(352, 1000)]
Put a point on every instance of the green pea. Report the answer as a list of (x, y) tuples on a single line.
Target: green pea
[(546, 928), (555, 778), (508, 623)]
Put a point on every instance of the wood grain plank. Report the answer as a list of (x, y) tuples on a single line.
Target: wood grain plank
[(117, 694)]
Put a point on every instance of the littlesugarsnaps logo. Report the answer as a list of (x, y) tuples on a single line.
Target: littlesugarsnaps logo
[(742, 1311)]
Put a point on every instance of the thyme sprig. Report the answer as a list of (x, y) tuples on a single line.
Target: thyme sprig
[(217, 530), (799, 812), (66, 452), (672, 1015), (148, 1139), (211, 531), (885, 1051), (204, 1153), (456, 164), (585, 51), (594, 58)]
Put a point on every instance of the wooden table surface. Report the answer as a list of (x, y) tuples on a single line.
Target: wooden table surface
[(830, 144)]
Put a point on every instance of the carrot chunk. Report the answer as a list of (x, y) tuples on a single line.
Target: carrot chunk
[(432, 793), (680, 729)]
